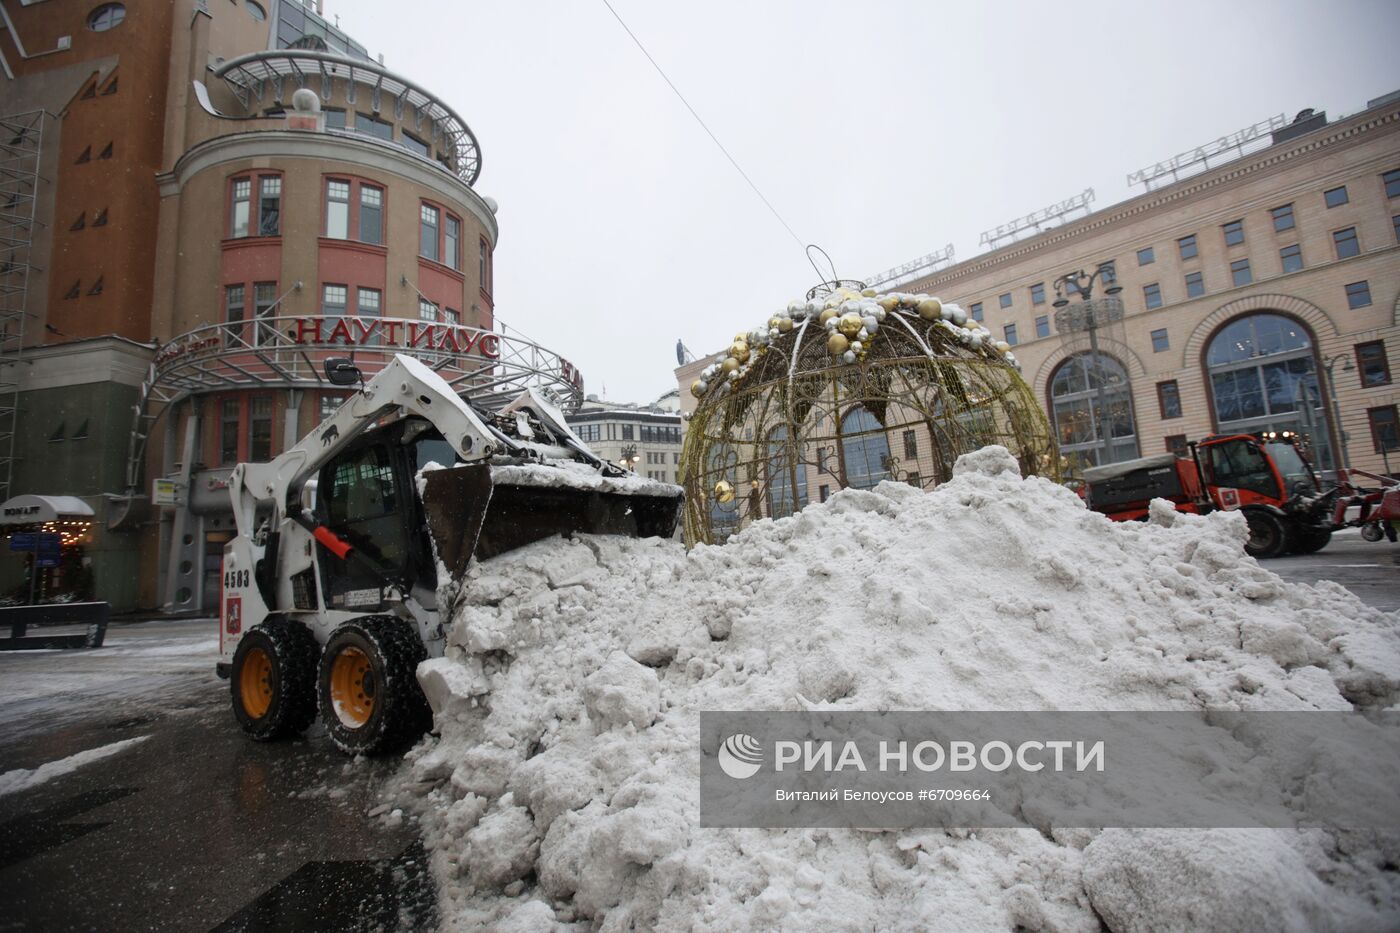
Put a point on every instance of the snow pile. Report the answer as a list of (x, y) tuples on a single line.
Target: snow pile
[(564, 787)]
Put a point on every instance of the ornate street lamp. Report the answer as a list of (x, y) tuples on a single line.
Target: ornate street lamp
[(1088, 315), (1344, 461)]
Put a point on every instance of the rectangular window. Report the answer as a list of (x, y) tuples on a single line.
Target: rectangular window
[(1169, 399), (1385, 428), (627, 432), (233, 314), (364, 123), (1038, 293), (1176, 444), (1239, 272), (484, 265), (1004, 300), (260, 428), (823, 455), (335, 119), (1234, 232), (333, 301), (1195, 285), (371, 214), (1346, 243), (452, 242), (1187, 246), (977, 311), (427, 311), (1359, 295), (238, 213), (1283, 218), (1395, 226), (228, 431), (1146, 256), (367, 302), (328, 406), (428, 232), (1291, 257), (337, 209), (1160, 341), (1373, 364), (415, 145), (270, 206), (914, 479), (1152, 296), (823, 493), (1010, 333), (1336, 197), (911, 445), (264, 308), (1042, 326)]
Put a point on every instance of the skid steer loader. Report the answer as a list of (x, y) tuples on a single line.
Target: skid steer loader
[(330, 588)]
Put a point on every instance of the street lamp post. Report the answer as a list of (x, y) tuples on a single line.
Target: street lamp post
[(1344, 460), (1088, 316)]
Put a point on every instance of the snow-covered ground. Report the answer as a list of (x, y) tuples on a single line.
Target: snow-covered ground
[(563, 789)]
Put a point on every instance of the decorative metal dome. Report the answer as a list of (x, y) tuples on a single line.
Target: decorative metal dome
[(848, 388)]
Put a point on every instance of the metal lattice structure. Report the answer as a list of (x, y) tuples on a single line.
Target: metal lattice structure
[(21, 144), (807, 412)]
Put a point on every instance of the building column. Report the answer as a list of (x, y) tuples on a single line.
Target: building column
[(184, 571)]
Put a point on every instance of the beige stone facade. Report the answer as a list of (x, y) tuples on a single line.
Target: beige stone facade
[(647, 437)]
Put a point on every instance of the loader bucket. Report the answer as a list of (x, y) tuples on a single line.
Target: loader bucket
[(469, 515)]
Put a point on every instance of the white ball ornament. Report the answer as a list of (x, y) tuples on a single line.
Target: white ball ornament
[(871, 324), (857, 346), (848, 357), (862, 334), (959, 316), (1002, 346)]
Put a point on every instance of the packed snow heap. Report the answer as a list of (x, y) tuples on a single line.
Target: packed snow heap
[(563, 791)]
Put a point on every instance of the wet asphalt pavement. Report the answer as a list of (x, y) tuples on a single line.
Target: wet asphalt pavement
[(195, 827)]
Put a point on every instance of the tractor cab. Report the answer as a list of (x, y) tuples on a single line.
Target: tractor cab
[(1263, 469)]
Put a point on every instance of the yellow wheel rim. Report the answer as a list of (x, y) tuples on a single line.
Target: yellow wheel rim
[(353, 687), (255, 683)]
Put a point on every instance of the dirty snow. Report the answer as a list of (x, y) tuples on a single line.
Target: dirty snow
[(564, 786), (12, 782)]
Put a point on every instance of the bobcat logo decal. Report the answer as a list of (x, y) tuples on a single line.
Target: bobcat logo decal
[(331, 433)]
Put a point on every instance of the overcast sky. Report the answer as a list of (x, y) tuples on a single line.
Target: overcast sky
[(879, 130)]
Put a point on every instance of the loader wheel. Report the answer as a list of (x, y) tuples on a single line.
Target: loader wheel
[(1310, 541), (1267, 535), (368, 686), (273, 680)]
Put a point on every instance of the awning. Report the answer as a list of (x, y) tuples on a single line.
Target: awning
[(28, 510)]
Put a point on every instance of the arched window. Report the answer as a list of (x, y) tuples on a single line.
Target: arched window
[(1263, 378), (865, 451), (1091, 402), (787, 476)]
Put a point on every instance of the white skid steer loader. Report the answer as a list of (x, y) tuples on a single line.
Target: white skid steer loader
[(330, 587)]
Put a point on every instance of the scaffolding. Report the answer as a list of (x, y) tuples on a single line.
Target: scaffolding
[(21, 143)]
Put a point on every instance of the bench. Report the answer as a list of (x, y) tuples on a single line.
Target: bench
[(20, 618)]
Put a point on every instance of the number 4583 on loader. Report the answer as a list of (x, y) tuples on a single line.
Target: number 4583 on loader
[(330, 588)]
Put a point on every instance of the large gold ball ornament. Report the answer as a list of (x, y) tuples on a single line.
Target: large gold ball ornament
[(850, 324), (724, 491), (869, 292), (773, 322), (740, 351), (837, 344), (729, 365), (889, 302), (827, 315), (784, 324), (930, 309), (697, 388)]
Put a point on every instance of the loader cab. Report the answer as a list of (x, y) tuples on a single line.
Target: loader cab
[(366, 496), (1240, 462)]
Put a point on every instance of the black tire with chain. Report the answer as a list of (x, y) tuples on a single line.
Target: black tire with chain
[(291, 679), (400, 711), (1268, 535)]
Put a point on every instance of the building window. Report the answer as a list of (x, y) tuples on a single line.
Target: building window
[(264, 306), (415, 145), (824, 460), (335, 118), (452, 242), (1392, 183), (1004, 300), (484, 266), (337, 209), (1291, 257), (627, 432), (865, 449), (1385, 428), (1372, 363), (270, 205), (1195, 285), (977, 311), (1234, 232), (260, 428), (428, 232), (823, 493), (1239, 272), (372, 126), (371, 214), (1009, 331), (233, 314), (1152, 296), (255, 10), (427, 311), (333, 300), (1346, 243), (328, 405), (1160, 341), (1283, 218), (1176, 444), (911, 445), (367, 302), (1336, 197), (1187, 246), (1359, 295), (1169, 399), (238, 215), (1394, 224), (1042, 326), (228, 431), (107, 16), (1038, 293), (1146, 256), (1091, 404), (787, 478)]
